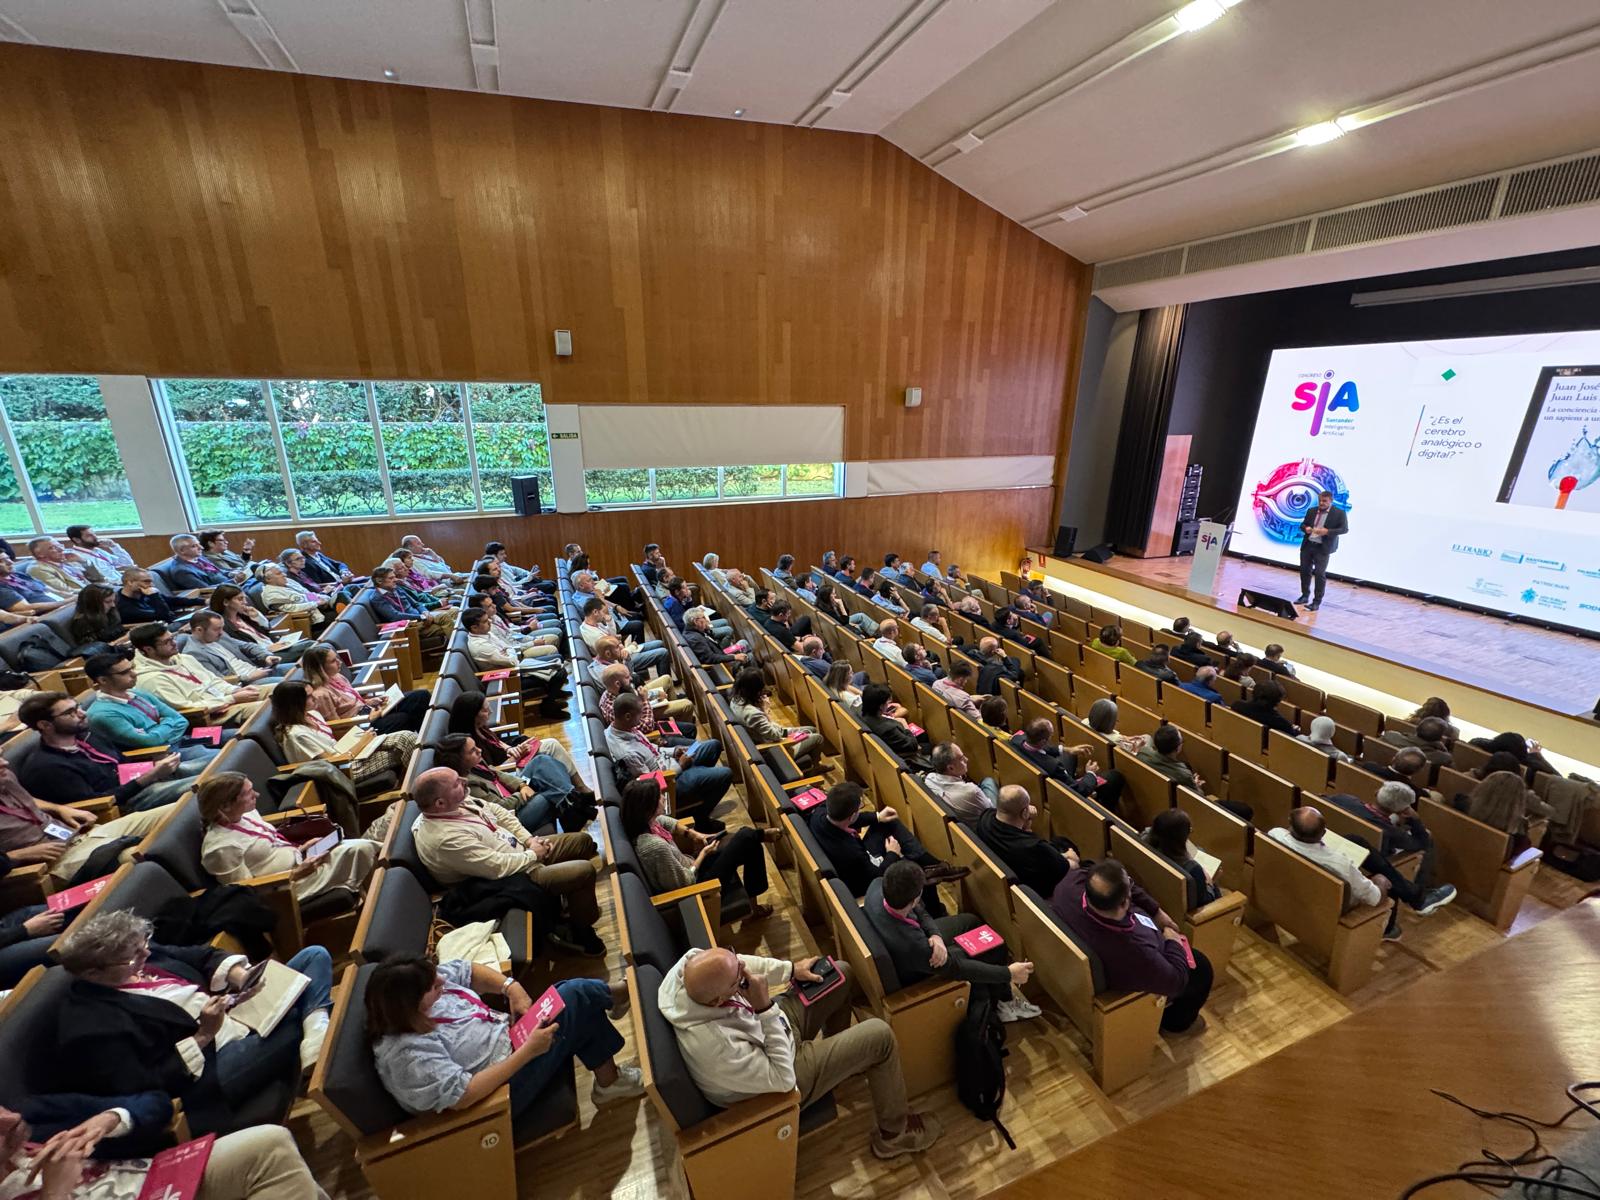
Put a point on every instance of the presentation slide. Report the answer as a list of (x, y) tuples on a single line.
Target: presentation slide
[(1469, 468)]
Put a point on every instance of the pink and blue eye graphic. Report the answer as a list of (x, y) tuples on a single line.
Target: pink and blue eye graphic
[(1282, 500)]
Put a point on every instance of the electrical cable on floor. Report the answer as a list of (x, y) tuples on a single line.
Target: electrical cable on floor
[(1496, 1169)]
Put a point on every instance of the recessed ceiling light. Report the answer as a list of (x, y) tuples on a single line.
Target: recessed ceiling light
[(1076, 213), (1197, 14), (738, 112), (390, 73), (1316, 135)]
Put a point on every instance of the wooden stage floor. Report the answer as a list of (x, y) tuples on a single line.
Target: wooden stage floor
[(1559, 671)]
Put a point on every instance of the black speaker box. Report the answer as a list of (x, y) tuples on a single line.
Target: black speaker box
[(1066, 540), (525, 495), (1266, 602), (1104, 552)]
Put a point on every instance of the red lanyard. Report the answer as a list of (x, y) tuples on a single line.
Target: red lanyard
[(465, 815), (480, 1011), (94, 755), (898, 917), (148, 710), (153, 980), (271, 835), (182, 674), (738, 1002), (31, 815), (661, 833), (484, 773)]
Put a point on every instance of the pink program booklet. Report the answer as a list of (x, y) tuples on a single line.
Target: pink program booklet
[(128, 772), (980, 940), (76, 897), (175, 1172), (807, 800), (491, 676), (544, 1010), (915, 730), (211, 733), (797, 735), (394, 627)]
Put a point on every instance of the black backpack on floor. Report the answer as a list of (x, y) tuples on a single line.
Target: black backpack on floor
[(980, 1062)]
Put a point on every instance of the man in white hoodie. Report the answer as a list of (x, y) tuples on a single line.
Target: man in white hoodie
[(739, 1042)]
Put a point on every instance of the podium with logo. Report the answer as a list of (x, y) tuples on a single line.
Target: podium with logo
[(1208, 548)]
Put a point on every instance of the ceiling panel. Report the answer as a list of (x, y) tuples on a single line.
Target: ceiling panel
[(592, 51), (194, 30), (424, 41)]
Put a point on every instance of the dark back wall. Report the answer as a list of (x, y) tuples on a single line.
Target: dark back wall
[(1227, 344)]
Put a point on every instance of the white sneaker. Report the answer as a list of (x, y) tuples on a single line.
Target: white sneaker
[(312, 1031), (1010, 1010), (1026, 1007), (629, 1083)]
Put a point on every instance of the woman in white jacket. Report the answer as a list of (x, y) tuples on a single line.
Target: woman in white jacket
[(739, 1041), (240, 844)]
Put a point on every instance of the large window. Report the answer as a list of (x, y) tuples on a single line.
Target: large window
[(274, 450), (672, 485), (58, 434)]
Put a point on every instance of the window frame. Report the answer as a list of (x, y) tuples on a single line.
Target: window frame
[(19, 467), (721, 497)]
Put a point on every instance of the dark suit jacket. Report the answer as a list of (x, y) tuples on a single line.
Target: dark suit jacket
[(1335, 522), (784, 633), (847, 853), (894, 735), (1394, 839), (706, 651), (149, 1114), (1055, 762), (195, 575), (990, 672), (1270, 717)]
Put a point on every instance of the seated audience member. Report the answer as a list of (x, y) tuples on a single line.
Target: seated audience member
[(22, 597), (439, 1047), (460, 839), (1238, 670), (541, 761), (813, 655), (321, 565), (702, 643), (190, 568), (227, 657), (1191, 651), (90, 852), (242, 622), (780, 622), (739, 1042), (1273, 661), (1204, 685), (920, 665), (526, 578), (933, 623), (280, 595), (616, 619), (86, 546), (954, 688), (126, 717), (893, 570), (1502, 800), (95, 626), (784, 571), (1526, 751), (214, 546), (1073, 766), (881, 716), (490, 651), (956, 577), (1157, 664), (27, 931), (948, 781), (240, 844), (922, 947), (183, 683), (1139, 946), (701, 782), (737, 858), (677, 602), (1180, 626), (332, 695), (861, 845), (1163, 750), (389, 604), (655, 707), (1321, 737), (740, 588), (534, 808), (1404, 767), (994, 665), (751, 701), (866, 583), (1226, 645), (540, 634), (305, 734), (1168, 835), (1435, 706), (828, 566), (1008, 624), (1305, 836), (1007, 829), (1431, 737), (143, 1017), (1110, 643), (840, 680), (1262, 705), (709, 564), (71, 1147), (832, 607), (59, 572), (138, 601), (995, 713), (609, 651), (430, 562), (1399, 828), (653, 566), (930, 566), (887, 643), (885, 597), (418, 581), (1102, 719), (934, 592), (71, 763)]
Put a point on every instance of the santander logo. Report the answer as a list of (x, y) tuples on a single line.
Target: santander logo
[(1321, 398)]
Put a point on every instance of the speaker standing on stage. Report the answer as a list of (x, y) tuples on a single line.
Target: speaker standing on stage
[(1322, 527)]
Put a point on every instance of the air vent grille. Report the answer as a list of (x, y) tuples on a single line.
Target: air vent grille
[(1404, 216), (1534, 189), (1235, 250), (1139, 270)]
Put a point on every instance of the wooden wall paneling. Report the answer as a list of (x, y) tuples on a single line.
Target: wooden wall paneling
[(167, 218), (982, 531), (1169, 491)]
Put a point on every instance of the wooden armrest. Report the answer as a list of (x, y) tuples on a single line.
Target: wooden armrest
[(147, 752), (670, 899), (268, 882), (100, 806), (1223, 906), (345, 722), (1111, 1001), (1523, 861), (922, 992), (1359, 916), (802, 784), (430, 1126)]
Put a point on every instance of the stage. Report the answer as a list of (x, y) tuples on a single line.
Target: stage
[(1559, 671)]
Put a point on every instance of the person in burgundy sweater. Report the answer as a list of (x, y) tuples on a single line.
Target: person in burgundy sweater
[(1138, 945)]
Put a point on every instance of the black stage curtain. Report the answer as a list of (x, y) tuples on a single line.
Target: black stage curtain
[(1142, 440)]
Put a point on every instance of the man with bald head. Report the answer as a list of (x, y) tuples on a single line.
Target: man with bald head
[(739, 1041), (1008, 831), (994, 665), (459, 838), (887, 642)]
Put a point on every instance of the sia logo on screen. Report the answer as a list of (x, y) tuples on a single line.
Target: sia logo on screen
[(1316, 396)]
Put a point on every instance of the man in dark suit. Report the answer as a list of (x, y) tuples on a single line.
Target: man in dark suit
[(1321, 531), (863, 845), (993, 664)]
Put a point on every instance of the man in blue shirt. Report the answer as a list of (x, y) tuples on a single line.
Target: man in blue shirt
[(931, 568), (1203, 685), (891, 569), (128, 718), (192, 569)]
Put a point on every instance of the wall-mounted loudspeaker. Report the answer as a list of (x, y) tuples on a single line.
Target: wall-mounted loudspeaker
[(525, 495), (1066, 539), (1104, 552)]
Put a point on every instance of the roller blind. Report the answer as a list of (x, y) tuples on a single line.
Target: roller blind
[(709, 435)]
